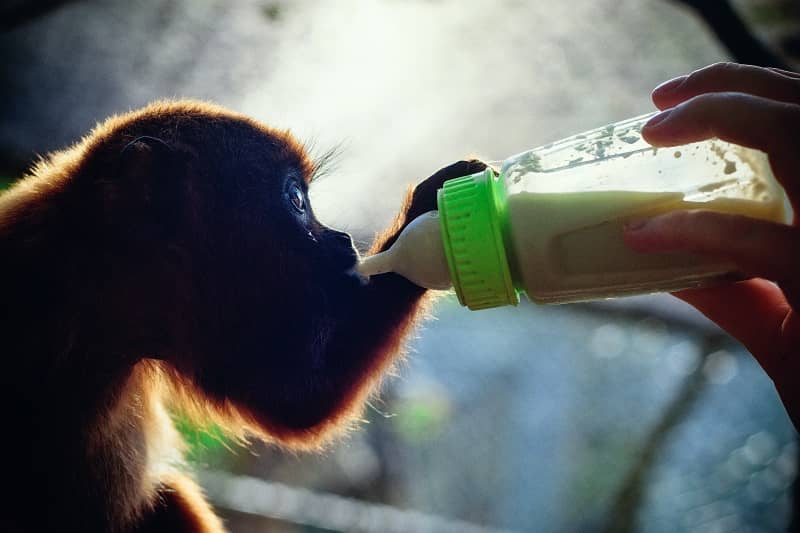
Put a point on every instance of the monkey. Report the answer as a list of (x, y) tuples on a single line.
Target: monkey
[(171, 260)]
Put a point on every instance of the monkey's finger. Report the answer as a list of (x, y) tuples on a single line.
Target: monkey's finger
[(729, 77), (455, 170), (424, 196), (752, 121), (759, 248)]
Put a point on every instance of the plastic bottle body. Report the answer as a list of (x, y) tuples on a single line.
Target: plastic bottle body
[(567, 202)]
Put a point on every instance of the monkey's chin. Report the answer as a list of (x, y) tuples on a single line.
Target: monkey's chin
[(355, 274)]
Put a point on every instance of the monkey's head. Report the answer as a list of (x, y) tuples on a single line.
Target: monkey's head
[(207, 230)]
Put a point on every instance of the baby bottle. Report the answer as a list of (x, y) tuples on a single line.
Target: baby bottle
[(550, 224)]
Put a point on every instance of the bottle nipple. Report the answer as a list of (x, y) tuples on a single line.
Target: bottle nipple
[(417, 255)]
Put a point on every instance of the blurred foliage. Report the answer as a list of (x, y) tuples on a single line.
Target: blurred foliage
[(421, 419), (272, 11), (776, 12), (422, 410)]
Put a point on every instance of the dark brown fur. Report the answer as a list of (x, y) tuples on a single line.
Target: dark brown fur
[(154, 264)]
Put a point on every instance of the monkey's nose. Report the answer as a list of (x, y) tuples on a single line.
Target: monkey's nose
[(342, 252), (343, 238)]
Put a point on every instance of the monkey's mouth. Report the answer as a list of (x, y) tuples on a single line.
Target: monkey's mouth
[(351, 267), (352, 270)]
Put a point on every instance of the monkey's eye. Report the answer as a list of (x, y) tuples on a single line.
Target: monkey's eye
[(297, 198)]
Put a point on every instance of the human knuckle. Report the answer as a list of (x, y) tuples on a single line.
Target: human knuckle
[(712, 71), (703, 101), (698, 218), (683, 221), (726, 67), (714, 109)]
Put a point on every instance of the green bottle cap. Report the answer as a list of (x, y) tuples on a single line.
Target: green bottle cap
[(474, 220)]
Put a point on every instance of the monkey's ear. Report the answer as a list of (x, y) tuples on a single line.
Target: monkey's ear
[(143, 198)]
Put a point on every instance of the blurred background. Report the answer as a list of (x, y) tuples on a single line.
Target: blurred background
[(626, 415)]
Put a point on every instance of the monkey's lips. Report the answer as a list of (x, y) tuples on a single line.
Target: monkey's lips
[(351, 270)]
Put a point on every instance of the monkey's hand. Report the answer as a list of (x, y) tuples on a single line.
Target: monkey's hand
[(423, 198)]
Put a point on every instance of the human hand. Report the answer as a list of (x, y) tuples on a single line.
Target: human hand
[(758, 108)]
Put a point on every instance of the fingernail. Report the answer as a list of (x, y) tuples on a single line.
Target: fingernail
[(669, 86), (658, 119), (635, 225)]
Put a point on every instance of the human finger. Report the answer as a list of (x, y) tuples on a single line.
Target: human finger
[(785, 72), (752, 121), (756, 313), (751, 311), (735, 117), (729, 77), (757, 247)]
